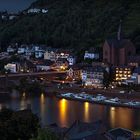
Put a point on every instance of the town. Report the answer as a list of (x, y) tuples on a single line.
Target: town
[(70, 70), (116, 65)]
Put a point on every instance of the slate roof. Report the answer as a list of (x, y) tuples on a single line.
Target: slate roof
[(117, 132), (118, 43), (88, 131)]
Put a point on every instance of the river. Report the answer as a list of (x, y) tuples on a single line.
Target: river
[(65, 112)]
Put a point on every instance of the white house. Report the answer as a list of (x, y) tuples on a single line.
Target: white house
[(34, 10), (50, 54), (93, 76), (91, 55), (62, 54), (10, 49), (21, 50), (72, 60), (44, 11), (39, 54), (13, 67)]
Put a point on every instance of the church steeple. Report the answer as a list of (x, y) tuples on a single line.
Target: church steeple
[(119, 34)]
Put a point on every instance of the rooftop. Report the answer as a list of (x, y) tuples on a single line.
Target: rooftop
[(117, 132), (118, 43)]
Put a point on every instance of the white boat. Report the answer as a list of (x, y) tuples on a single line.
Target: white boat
[(100, 98), (115, 99), (131, 103)]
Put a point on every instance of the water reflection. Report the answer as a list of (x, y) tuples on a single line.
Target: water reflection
[(62, 111), (23, 103), (86, 112), (24, 95), (65, 112), (112, 116), (42, 106), (121, 117), (42, 98)]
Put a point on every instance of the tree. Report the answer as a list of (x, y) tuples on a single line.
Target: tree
[(45, 134), (21, 125)]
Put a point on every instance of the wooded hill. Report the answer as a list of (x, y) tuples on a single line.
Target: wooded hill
[(74, 23)]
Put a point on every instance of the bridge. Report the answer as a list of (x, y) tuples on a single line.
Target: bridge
[(33, 74)]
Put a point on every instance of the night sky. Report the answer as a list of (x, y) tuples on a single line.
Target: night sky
[(14, 5)]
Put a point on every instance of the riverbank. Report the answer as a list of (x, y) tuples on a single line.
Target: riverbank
[(112, 93), (99, 99), (128, 99)]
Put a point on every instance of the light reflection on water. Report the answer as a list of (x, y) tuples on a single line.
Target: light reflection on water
[(86, 111), (122, 117), (65, 112), (63, 106)]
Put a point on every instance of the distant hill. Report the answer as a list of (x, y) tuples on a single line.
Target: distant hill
[(74, 23)]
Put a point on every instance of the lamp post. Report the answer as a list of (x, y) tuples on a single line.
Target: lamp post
[(6, 80)]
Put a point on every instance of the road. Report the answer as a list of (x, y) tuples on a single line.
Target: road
[(32, 74)]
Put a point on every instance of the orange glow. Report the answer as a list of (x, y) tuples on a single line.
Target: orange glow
[(86, 111), (24, 94), (121, 117), (63, 109), (112, 116), (42, 105), (23, 101), (42, 98)]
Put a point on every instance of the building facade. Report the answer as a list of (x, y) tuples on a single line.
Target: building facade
[(120, 73), (116, 51), (93, 76)]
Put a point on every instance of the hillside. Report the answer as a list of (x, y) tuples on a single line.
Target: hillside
[(74, 23)]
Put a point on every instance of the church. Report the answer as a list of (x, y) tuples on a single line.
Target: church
[(117, 51)]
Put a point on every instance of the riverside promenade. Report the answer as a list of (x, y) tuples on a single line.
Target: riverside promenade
[(111, 93), (129, 100)]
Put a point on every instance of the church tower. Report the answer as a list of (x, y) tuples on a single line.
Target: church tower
[(119, 34)]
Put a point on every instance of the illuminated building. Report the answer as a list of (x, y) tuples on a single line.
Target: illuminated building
[(91, 55), (121, 73), (62, 64), (12, 67), (93, 76), (74, 72), (50, 54), (72, 60), (62, 54)]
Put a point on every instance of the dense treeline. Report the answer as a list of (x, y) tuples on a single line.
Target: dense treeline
[(18, 125), (74, 23)]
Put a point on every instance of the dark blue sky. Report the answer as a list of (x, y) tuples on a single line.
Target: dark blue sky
[(14, 5)]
